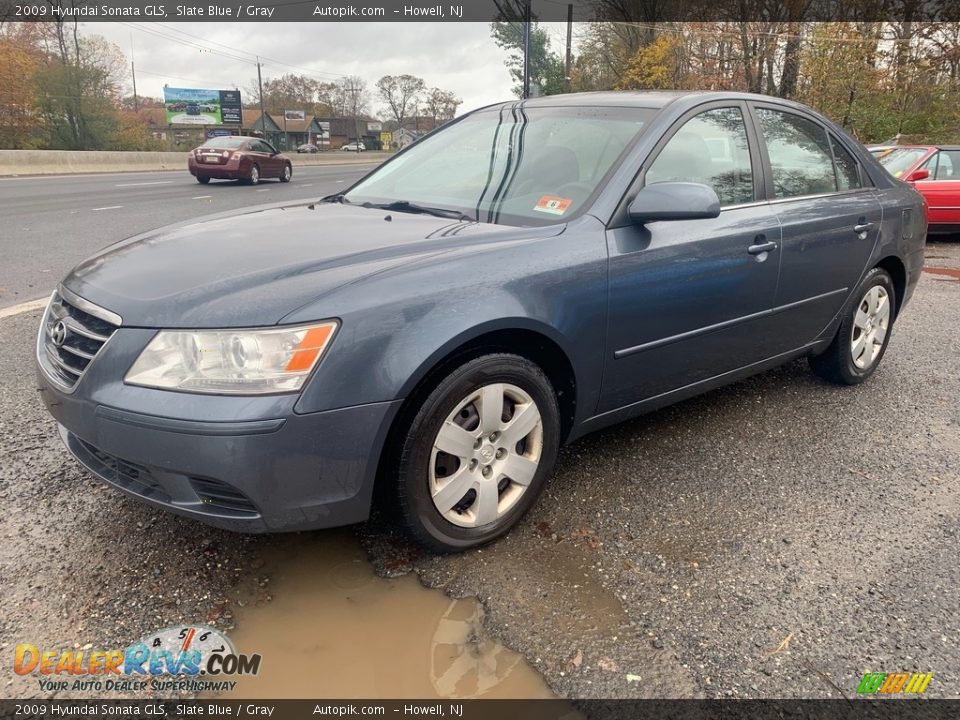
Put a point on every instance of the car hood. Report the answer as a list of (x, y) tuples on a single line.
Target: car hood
[(253, 269)]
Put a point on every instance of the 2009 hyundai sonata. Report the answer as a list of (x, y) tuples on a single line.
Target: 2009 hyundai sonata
[(531, 272)]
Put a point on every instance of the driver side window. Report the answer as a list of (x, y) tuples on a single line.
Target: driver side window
[(710, 149)]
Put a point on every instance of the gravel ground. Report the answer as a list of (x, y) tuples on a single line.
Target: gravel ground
[(776, 538)]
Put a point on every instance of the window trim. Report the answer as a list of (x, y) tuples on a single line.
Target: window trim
[(772, 198), (834, 141), (621, 217)]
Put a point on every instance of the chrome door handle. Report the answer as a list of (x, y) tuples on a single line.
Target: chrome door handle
[(762, 247), (862, 227)]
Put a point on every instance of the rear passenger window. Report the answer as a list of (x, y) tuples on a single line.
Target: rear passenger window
[(800, 156), (848, 172), (710, 149), (948, 167)]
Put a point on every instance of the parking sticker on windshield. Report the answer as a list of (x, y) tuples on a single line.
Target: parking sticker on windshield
[(553, 204)]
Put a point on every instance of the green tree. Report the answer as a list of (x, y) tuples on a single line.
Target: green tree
[(547, 68)]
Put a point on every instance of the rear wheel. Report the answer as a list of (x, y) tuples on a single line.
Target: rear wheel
[(287, 173), (478, 452), (254, 177), (202, 180), (864, 332)]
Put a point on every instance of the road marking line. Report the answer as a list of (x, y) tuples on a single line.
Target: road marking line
[(23, 307), (202, 197), (339, 181), (158, 182), (307, 185), (263, 190), (108, 207)]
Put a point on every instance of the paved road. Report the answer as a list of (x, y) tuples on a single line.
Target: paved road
[(52, 223)]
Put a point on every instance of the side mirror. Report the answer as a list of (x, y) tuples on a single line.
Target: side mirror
[(921, 174), (674, 201)]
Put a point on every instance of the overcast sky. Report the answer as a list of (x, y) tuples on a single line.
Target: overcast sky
[(460, 57)]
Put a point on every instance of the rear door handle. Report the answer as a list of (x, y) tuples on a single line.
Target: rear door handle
[(762, 247), (863, 227)]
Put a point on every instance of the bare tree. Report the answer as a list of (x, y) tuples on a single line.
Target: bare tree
[(400, 93)]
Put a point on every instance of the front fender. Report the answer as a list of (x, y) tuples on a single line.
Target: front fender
[(399, 324)]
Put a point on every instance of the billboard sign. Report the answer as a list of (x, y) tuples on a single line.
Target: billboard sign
[(294, 115), (192, 106)]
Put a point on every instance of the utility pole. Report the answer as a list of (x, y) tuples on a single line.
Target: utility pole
[(526, 48), (569, 63), (354, 94), (263, 114), (133, 74)]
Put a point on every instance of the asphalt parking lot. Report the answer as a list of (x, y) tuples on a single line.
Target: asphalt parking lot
[(776, 538)]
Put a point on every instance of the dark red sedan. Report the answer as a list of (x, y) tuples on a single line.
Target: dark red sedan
[(934, 170), (238, 158)]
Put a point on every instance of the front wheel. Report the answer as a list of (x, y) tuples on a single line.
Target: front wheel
[(864, 332), (478, 452)]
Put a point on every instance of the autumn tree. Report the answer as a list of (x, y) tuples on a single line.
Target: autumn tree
[(19, 62)]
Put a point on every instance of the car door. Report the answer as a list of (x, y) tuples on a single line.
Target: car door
[(829, 219), (687, 298), (260, 152), (942, 187), (276, 160)]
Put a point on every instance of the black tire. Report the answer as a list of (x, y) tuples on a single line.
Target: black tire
[(411, 473), (202, 180), (836, 364), (254, 177), (287, 173)]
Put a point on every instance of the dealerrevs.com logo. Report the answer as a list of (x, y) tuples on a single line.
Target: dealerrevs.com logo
[(171, 659), (902, 683)]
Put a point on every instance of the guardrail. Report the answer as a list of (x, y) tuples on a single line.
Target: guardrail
[(65, 162)]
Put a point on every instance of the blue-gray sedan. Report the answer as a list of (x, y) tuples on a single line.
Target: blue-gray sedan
[(527, 274)]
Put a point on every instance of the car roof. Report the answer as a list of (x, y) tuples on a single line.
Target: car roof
[(654, 99)]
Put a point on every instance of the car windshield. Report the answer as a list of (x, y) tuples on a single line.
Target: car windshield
[(225, 142), (899, 161), (513, 165)]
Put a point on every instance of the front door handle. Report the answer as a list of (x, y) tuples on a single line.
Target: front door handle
[(762, 247), (863, 227)]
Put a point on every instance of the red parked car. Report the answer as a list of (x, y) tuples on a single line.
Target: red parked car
[(238, 158), (934, 170)]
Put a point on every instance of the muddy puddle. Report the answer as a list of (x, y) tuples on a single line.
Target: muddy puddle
[(326, 626)]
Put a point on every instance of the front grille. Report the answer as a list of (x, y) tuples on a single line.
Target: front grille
[(72, 334)]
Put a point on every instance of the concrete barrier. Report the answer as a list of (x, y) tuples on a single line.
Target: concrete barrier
[(65, 162)]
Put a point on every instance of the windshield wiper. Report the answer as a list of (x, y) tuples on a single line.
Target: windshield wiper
[(409, 207), (337, 198)]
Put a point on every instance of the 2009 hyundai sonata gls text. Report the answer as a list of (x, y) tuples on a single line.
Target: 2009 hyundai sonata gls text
[(531, 272)]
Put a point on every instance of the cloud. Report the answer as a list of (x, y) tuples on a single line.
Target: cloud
[(460, 57)]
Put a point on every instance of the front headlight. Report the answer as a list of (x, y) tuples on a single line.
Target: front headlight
[(239, 362)]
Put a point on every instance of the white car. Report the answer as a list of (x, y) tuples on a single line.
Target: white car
[(353, 147)]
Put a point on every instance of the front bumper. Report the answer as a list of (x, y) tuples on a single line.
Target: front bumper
[(296, 472)]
